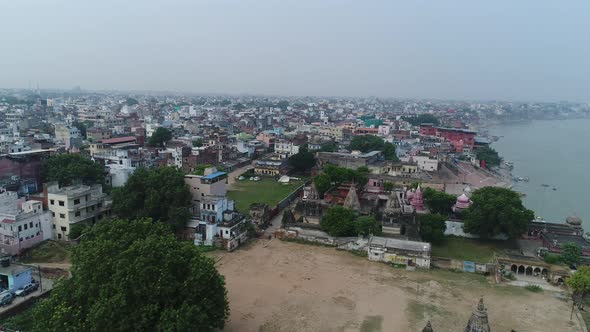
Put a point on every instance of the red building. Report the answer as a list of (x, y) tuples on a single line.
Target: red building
[(459, 138)]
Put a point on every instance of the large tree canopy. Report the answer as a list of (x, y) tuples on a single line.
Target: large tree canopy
[(496, 211), (489, 155), (432, 227), (158, 193), (302, 161), (339, 221), (160, 136), (135, 276), (366, 225), (438, 201), (366, 143), (66, 168), (334, 175)]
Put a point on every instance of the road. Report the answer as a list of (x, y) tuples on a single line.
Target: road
[(231, 177)]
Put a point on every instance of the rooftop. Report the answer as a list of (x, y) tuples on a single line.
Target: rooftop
[(399, 244), (119, 140), (213, 175)]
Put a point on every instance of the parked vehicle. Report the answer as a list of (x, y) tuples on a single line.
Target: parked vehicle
[(6, 298), (26, 289)]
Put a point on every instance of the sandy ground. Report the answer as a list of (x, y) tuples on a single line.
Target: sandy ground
[(293, 287)]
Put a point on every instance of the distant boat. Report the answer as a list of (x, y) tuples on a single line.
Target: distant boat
[(554, 188), (544, 185)]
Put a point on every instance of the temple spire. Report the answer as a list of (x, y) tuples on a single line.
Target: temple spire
[(479, 319)]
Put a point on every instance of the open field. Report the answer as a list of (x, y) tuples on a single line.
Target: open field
[(470, 250), (267, 191), (293, 287)]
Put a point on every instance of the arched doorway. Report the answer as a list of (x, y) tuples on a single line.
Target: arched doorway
[(545, 272), (537, 271), (529, 271), (521, 269), (514, 268)]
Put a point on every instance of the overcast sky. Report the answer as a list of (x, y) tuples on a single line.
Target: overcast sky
[(500, 49)]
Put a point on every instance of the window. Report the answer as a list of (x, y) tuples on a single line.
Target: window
[(99, 205), (61, 203), (52, 202), (59, 236), (77, 214), (26, 227), (20, 228), (76, 201), (52, 214), (63, 216), (64, 229), (31, 224), (53, 226)]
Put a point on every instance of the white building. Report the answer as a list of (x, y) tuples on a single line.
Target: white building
[(396, 251), (76, 204), (23, 224), (425, 163), (285, 148)]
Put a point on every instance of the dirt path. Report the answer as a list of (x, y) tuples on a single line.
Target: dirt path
[(294, 287), (231, 177)]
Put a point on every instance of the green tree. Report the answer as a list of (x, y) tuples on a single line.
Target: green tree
[(67, 168), (302, 161), (131, 101), (496, 211), (366, 225), (579, 283), (78, 229), (135, 276), (570, 254), (432, 227), (160, 137), (363, 169), (322, 184), (489, 155), (339, 221), (198, 142), (438, 201), (283, 104), (329, 147), (157, 193), (388, 186), (366, 143), (82, 127), (200, 169)]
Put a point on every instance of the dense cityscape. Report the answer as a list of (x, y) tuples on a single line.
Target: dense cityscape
[(246, 192)]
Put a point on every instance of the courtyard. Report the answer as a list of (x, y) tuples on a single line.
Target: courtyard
[(267, 190), (293, 287)]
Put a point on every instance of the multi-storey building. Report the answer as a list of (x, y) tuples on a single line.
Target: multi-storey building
[(76, 204), (23, 224)]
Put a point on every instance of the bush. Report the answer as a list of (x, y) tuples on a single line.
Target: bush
[(551, 258), (534, 288)]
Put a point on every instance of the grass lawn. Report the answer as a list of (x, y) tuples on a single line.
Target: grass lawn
[(48, 252), (480, 251), (267, 191)]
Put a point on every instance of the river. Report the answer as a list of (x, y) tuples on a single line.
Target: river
[(552, 154)]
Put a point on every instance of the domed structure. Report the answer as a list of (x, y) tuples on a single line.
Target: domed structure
[(574, 221), (461, 204), (417, 200)]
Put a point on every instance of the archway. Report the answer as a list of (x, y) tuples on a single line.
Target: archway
[(521, 269), (529, 271), (514, 268), (537, 271), (545, 272)]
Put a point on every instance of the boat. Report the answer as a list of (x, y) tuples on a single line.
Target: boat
[(554, 188), (544, 185)]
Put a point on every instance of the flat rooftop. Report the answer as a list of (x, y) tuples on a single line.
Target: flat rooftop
[(213, 175), (399, 244)]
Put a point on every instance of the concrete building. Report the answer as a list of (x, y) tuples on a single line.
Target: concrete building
[(285, 148), (14, 276), (352, 160), (271, 165), (23, 224), (395, 251), (76, 204), (70, 136)]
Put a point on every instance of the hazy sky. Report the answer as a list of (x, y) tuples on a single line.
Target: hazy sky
[(500, 49)]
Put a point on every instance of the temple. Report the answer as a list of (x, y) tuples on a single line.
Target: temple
[(478, 322), (461, 204)]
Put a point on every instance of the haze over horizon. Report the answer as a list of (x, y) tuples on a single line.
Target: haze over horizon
[(503, 50)]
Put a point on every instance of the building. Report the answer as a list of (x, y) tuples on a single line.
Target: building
[(70, 136), (351, 160), (98, 134), (76, 204), (459, 138), (285, 148), (23, 224), (425, 163), (395, 251), (202, 187), (271, 165), (14, 276)]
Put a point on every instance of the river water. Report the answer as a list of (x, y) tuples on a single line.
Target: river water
[(552, 154)]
